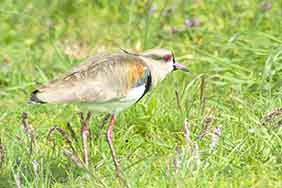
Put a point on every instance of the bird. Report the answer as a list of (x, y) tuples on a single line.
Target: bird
[(109, 82)]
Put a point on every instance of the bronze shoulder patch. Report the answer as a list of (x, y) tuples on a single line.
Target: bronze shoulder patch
[(135, 73)]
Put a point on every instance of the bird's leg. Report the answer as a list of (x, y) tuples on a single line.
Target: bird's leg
[(114, 157), (84, 133), (109, 140)]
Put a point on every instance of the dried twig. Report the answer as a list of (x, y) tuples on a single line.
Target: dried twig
[(63, 133), (272, 118), (73, 158), (175, 165), (73, 135), (279, 125), (269, 116), (28, 130), (176, 158), (17, 174), (2, 153), (178, 101), (186, 131), (207, 121), (19, 139), (202, 95)]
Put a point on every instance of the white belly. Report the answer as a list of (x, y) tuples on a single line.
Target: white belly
[(117, 105)]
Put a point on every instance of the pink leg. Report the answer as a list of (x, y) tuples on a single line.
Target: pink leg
[(84, 133), (114, 157), (109, 140)]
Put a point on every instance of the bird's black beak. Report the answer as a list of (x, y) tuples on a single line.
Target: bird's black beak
[(177, 66)]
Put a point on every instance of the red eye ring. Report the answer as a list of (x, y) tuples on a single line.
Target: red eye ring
[(167, 58)]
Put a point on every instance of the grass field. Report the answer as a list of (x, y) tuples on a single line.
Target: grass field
[(234, 50)]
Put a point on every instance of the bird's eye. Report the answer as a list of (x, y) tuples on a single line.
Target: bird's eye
[(167, 58)]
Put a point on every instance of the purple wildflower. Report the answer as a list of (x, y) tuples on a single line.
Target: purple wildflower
[(188, 23), (266, 6)]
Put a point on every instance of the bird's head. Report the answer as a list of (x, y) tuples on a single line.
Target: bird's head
[(165, 58), (161, 62)]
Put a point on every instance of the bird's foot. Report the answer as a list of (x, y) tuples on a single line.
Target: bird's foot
[(118, 171)]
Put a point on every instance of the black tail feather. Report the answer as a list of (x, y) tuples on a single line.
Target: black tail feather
[(34, 99)]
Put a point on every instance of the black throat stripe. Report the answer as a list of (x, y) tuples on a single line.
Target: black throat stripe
[(148, 85)]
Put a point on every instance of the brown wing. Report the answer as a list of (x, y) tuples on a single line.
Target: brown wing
[(100, 79)]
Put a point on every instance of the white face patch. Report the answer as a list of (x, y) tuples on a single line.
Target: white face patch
[(171, 65), (159, 68)]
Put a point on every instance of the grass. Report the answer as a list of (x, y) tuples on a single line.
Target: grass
[(235, 56)]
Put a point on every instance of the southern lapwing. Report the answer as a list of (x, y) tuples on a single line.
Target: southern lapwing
[(109, 83)]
